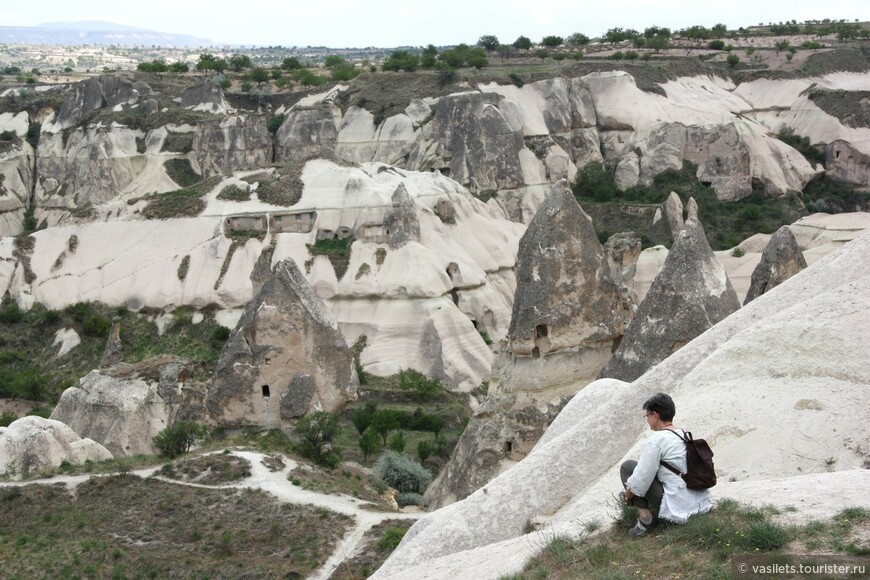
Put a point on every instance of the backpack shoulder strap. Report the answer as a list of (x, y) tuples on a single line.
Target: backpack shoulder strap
[(686, 440)]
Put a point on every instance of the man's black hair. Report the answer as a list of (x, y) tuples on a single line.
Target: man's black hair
[(663, 405)]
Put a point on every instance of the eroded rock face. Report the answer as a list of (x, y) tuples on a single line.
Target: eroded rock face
[(125, 406), (668, 221), (402, 222), (206, 95), (572, 304), (285, 358), (31, 444), (690, 294), (781, 259), (492, 436), (307, 133), (475, 139), (95, 93), (16, 165), (232, 144), (846, 164)]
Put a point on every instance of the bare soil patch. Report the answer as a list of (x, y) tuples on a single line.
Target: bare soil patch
[(213, 469)]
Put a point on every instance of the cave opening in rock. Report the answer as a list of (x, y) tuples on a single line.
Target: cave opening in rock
[(265, 390)]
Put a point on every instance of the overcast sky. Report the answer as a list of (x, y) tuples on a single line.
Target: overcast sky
[(360, 23)]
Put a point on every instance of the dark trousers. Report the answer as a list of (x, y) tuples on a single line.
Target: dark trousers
[(652, 500)]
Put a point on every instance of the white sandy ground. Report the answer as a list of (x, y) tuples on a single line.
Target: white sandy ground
[(277, 484)]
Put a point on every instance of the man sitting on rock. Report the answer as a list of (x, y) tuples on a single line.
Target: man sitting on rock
[(652, 488)]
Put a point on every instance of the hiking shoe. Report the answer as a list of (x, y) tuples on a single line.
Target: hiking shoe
[(639, 528)]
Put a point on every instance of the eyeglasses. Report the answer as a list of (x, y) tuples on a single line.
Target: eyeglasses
[(649, 413)]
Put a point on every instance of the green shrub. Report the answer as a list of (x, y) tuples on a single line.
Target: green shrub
[(219, 337), (317, 432), (389, 540), (397, 442), (11, 313), (424, 450), (425, 389), (594, 181), (716, 45), (274, 123), (7, 417), (405, 499), (402, 473), (179, 438), (96, 325), (362, 417), (181, 172), (233, 192), (369, 442)]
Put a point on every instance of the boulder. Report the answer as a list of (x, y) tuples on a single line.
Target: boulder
[(285, 358), (125, 406), (690, 294), (31, 444), (95, 93), (781, 259)]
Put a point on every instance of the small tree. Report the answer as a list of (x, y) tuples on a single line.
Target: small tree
[(552, 41), (317, 432), (488, 42), (522, 43), (542, 53), (362, 418), (259, 75), (397, 442), (424, 450), (179, 438), (429, 57), (577, 40), (386, 420), (239, 62), (291, 63), (732, 60), (369, 442)]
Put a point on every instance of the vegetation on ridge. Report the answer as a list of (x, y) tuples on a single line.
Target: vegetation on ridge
[(702, 548)]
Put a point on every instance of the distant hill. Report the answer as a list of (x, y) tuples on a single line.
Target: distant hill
[(94, 32)]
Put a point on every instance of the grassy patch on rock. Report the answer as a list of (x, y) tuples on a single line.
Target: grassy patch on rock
[(701, 548), (338, 252), (124, 526), (377, 544)]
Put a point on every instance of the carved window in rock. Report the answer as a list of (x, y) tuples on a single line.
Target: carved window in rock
[(536, 352), (265, 390), (541, 331), (508, 447)]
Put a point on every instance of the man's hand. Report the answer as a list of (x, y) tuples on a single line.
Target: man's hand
[(628, 495)]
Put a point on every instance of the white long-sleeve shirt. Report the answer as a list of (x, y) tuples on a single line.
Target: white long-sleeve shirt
[(678, 502)]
